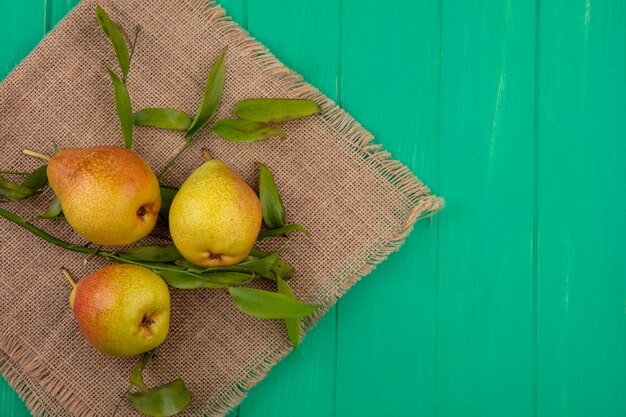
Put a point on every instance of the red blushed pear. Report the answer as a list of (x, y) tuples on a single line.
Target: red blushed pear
[(122, 310), (108, 194)]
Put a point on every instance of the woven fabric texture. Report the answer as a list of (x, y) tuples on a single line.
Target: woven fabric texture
[(357, 203)]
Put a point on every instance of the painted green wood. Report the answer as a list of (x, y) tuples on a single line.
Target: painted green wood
[(485, 310), (10, 403), (22, 28), (386, 343), (512, 302), (56, 10), (305, 35), (581, 338), (237, 9)]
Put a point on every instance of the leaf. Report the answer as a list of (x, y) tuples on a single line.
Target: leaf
[(280, 268), (212, 96), (187, 280), (275, 110), (14, 192), (167, 196), (116, 36), (165, 400), (236, 130), (271, 205), (167, 253), (281, 231), (293, 325), (162, 118), (136, 375), (269, 305), (124, 109), (260, 266), (36, 179), (54, 209)]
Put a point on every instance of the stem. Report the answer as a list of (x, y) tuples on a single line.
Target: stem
[(84, 249), (14, 173), (206, 155), (117, 406), (133, 44), (175, 157), (68, 276), (36, 154), (45, 236), (92, 254)]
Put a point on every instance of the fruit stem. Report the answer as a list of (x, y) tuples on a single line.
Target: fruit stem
[(35, 154), (14, 173), (117, 406), (175, 157), (206, 155), (68, 276)]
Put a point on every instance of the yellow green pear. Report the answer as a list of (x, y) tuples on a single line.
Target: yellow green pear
[(215, 217), (122, 310), (108, 194)]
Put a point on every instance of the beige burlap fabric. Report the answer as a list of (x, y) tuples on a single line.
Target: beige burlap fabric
[(357, 203)]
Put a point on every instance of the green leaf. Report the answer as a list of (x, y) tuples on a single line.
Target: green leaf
[(281, 231), (166, 400), (54, 209), (188, 280), (260, 266), (167, 196), (271, 204), (280, 268), (14, 192), (229, 278), (275, 110), (212, 96), (124, 109), (162, 118), (116, 36), (136, 375), (36, 179), (236, 130), (185, 280), (269, 305), (293, 325), (167, 253)]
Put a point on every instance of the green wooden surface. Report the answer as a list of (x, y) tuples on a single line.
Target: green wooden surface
[(512, 302)]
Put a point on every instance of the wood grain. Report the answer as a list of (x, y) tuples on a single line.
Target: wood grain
[(485, 362), (513, 300), (386, 347), (581, 338)]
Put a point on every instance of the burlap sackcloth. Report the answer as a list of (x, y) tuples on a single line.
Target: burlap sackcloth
[(357, 203)]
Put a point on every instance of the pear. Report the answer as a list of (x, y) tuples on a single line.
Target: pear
[(122, 310), (108, 194), (215, 218)]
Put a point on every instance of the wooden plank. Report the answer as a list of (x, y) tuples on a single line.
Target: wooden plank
[(581, 340), (304, 35), (485, 363), (10, 403), (56, 10), (387, 323), (237, 9), (22, 28)]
